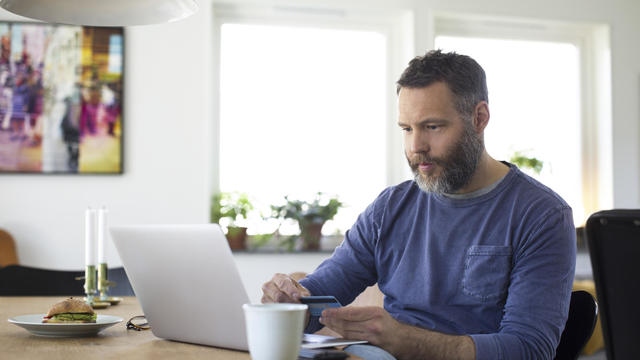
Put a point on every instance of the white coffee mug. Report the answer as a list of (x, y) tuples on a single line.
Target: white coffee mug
[(274, 331)]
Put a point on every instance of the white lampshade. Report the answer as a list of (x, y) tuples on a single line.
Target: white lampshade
[(102, 12)]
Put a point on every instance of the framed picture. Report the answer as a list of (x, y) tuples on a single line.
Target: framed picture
[(61, 99)]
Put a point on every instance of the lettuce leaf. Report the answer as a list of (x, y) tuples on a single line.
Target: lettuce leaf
[(75, 316)]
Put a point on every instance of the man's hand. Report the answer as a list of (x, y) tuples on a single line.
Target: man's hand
[(283, 288), (369, 323), (403, 341)]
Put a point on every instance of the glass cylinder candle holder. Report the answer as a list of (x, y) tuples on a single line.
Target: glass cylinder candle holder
[(103, 283), (90, 283)]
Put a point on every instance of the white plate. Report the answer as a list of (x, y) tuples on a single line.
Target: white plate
[(33, 323)]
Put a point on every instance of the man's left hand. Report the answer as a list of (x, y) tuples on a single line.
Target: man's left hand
[(403, 341), (370, 323)]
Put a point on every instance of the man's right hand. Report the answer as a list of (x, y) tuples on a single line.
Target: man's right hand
[(283, 288)]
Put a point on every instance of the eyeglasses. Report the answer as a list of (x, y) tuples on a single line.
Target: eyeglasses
[(138, 323)]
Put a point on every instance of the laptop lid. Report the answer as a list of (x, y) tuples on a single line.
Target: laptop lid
[(187, 282)]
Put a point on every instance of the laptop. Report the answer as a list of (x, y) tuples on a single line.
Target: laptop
[(188, 285), (186, 282)]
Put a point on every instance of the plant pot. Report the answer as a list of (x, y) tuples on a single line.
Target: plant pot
[(311, 235), (237, 237)]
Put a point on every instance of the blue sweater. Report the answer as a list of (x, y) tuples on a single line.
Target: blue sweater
[(498, 267)]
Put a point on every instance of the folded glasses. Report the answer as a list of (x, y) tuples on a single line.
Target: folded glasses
[(138, 323)]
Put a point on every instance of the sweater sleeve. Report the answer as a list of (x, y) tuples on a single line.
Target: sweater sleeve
[(539, 293), (351, 268)]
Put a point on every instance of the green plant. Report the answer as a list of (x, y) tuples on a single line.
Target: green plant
[(525, 162), (317, 211), (230, 205), (310, 215), (260, 240)]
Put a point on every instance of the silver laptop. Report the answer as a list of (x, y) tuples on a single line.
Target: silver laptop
[(186, 281)]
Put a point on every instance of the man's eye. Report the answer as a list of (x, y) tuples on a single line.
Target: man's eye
[(433, 127), (407, 129)]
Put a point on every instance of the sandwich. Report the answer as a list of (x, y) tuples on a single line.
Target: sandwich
[(70, 311)]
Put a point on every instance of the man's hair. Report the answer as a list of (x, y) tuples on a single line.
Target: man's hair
[(464, 76)]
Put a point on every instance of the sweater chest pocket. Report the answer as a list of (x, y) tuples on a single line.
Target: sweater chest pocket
[(486, 273)]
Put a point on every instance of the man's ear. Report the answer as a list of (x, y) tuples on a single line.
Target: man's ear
[(481, 116)]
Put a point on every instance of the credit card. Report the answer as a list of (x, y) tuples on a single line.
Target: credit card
[(318, 303)]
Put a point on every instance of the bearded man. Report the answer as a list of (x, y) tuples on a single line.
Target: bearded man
[(475, 259)]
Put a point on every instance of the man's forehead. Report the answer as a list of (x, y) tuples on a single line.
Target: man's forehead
[(435, 98)]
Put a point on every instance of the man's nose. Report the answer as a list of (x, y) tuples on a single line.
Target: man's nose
[(418, 144)]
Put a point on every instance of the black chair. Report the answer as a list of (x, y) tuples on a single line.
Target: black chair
[(583, 313), (613, 238), (18, 280)]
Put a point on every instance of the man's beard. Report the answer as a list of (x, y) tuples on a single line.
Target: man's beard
[(458, 165)]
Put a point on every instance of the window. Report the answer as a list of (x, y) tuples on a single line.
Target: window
[(303, 110), (534, 99), (549, 96)]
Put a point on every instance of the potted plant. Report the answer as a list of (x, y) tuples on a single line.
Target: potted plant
[(311, 216), (525, 162), (234, 207)]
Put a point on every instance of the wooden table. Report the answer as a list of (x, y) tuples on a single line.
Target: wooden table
[(115, 342)]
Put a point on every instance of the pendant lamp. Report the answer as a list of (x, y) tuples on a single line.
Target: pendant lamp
[(102, 12)]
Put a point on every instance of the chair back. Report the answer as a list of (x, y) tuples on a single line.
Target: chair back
[(8, 255), (17, 280), (583, 313), (613, 238)]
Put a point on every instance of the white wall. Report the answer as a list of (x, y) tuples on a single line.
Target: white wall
[(165, 177), (167, 126)]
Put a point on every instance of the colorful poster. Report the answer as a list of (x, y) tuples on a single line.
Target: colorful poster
[(60, 99)]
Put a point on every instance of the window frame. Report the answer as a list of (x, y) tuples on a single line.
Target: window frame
[(395, 25)]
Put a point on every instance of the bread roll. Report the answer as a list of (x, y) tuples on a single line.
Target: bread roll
[(70, 311), (70, 305)]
